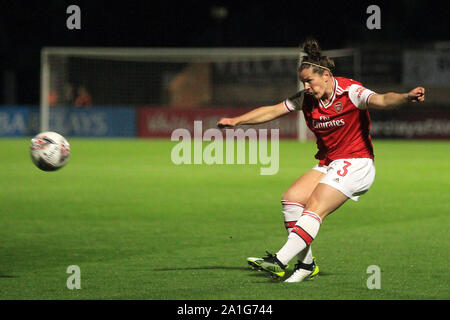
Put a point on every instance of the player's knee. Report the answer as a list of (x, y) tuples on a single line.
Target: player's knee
[(287, 197), (325, 200), (293, 197), (316, 210)]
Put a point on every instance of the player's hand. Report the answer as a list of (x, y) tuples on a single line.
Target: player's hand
[(226, 123), (417, 94)]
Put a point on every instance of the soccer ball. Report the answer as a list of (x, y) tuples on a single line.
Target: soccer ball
[(49, 151)]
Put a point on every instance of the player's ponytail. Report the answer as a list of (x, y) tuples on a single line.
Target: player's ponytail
[(313, 58)]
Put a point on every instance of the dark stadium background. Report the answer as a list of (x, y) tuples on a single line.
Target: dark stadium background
[(27, 26)]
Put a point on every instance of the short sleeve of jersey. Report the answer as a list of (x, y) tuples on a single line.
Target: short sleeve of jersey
[(359, 95), (295, 102)]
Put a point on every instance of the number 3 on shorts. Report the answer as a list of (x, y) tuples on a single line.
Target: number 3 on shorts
[(342, 174)]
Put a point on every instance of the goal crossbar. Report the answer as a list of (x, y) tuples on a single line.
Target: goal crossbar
[(179, 55), (185, 54)]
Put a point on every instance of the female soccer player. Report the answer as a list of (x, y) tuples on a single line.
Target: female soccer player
[(336, 111)]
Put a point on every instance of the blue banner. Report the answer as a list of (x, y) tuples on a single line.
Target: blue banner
[(94, 122), (80, 122), (18, 121)]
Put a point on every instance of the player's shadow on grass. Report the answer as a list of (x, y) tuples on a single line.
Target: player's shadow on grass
[(7, 276), (253, 273), (203, 268)]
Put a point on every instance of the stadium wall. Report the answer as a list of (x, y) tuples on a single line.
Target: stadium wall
[(420, 122), (162, 121)]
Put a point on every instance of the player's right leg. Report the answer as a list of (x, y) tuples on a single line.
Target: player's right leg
[(299, 192), (297, 195), (302, 188), (324, 200), (293, 202)]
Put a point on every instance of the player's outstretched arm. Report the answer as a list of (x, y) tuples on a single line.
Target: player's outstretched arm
[(392, 99), (258, 115)]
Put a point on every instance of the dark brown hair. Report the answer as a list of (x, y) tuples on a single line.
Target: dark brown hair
[(314, 55)]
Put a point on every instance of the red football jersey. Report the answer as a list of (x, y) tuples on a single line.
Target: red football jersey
[(342, 125)]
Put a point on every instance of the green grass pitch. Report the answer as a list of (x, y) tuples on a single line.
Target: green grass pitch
[(140, 227)]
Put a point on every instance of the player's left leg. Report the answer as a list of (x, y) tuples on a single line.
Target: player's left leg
[(324, 200), (346, 178), (293, 202)]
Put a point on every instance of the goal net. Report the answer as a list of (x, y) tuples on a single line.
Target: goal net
[(173, 77)]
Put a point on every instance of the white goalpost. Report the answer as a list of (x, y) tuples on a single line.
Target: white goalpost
[(224, 77)]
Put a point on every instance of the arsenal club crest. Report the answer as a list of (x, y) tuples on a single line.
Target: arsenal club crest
[(338, 107)]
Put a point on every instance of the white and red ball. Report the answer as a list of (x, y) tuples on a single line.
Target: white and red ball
[(49, 151)]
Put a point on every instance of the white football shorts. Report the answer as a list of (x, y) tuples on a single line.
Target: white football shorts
[(353, 177)]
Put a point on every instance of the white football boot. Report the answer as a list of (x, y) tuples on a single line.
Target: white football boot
[(304, 272)]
